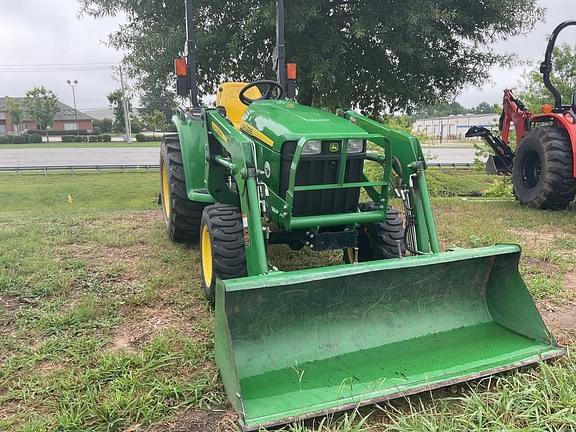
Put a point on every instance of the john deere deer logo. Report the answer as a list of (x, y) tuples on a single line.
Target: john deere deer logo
[(334, 147)]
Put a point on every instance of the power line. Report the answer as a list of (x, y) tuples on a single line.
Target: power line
[(57, 64), (56, 67)]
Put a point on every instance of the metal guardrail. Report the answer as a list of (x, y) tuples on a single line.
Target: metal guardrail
[(73, 168), (460, 165), (98, 168)]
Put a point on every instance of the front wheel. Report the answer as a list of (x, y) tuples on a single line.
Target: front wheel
[(379, 240), (543, 169), (221, 247)]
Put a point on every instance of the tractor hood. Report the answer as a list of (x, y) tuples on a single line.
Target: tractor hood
[(275, 122)]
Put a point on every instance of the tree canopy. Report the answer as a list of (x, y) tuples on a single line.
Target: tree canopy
[(116, 99), (42, 106), (14, 108), (377, 55), (532, 90)]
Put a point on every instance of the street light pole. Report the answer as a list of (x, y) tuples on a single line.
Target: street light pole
[(73, 86)]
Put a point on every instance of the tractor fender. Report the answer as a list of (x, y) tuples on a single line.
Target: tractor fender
[(567, 122), (193, 137)]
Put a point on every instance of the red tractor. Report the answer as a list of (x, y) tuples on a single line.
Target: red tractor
[(543, 168)]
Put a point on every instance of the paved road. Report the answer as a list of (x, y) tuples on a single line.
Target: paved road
[(149, 156), (89, 156)]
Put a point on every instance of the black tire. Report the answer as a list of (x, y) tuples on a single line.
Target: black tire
[(543, 169), (181, 215), (222, 227), (377, 241)]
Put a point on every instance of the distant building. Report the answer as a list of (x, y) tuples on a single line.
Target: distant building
[(64, 121), (453, 127), (101, 114)]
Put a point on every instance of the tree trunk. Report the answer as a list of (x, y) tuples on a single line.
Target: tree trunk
[(305, 93), (47, 136)]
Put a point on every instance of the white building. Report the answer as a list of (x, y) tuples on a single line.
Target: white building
[(454, 127)]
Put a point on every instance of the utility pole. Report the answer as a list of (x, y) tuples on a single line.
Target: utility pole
[(73, 85), (125, 107)]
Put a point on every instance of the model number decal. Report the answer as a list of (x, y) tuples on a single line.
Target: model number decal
[(219, 132)]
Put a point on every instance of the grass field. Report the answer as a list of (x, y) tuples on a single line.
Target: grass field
[(103, 326), (58, 145)]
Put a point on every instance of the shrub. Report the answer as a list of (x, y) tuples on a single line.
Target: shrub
[(34, 139), (20, 139), (140, 138), (67, 138), (93, 139), (106, 138), (4, 139)]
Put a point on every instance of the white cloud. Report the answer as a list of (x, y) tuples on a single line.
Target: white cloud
[(530, 47)]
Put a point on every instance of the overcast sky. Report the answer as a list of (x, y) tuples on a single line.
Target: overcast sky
[(40, 32)]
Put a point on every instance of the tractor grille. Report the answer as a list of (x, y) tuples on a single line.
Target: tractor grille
[(318, 170)]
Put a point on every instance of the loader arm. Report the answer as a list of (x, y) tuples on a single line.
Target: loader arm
[(410, 164), (514, 111)]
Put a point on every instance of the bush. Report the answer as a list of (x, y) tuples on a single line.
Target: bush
[(67, 138), (19, 139), (106, 138), (34, 139), (140, 138), (94, 139), (4, 139)]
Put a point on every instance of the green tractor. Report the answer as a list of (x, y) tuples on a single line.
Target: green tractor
[(397, 317)]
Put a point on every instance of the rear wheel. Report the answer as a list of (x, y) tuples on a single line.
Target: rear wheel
[(381, 240), (543, 169), (181, 215), (221, 247)]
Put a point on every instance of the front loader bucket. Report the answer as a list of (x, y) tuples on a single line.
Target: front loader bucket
[(307, 343)]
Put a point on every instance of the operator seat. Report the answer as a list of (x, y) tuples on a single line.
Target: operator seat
[(228, 98)]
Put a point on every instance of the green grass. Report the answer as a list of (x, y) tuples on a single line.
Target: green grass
[(35, 195), (61, 145), (103, 326)]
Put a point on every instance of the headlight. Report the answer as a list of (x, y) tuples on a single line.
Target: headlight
[(355, 146), (312, 148)]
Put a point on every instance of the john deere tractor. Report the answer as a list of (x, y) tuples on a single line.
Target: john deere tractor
[(396, 317)]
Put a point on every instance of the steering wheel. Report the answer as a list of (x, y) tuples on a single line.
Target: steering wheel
[(273, 91)]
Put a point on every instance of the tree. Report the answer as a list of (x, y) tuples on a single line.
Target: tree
[(532, 90), (374, 55), (158, 98), (14, 108), (42, 106), (116, 101), (154, 120), (442, 109), (105, 125), (484, 108)]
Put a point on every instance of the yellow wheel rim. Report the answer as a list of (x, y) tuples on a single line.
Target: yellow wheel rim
[(165, 190), (206, 256)]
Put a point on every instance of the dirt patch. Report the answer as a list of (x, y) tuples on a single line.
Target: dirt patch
[(540, 236), (195, 420), (570, 281), (8, 409), (49, 367), (542, 265), (561, 321), (148, 322), (10, 304)]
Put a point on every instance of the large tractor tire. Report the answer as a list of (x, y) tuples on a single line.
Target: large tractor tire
[(181, 215), (543, 169), (381, 240), (221, 247)]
